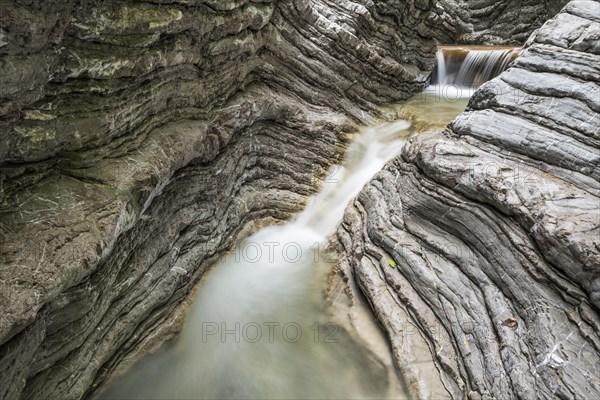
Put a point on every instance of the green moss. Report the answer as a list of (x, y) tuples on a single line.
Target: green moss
[(36, 134), (133, 40), (37, 115), (128, 18)]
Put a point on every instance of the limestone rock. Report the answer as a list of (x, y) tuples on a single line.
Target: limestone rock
[(490, 22), (478, 249), (139, 140)]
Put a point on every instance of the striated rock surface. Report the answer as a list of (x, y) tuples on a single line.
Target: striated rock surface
[(490, 21), (138, 140), (478, 249)]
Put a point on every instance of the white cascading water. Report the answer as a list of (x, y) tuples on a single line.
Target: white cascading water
[(240, 338), (461, 70), (482, 65), (441, 68)]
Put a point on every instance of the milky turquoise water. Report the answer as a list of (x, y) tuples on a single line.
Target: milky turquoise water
[(259, 328)]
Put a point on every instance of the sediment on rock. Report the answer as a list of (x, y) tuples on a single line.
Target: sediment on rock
[(477, 249)]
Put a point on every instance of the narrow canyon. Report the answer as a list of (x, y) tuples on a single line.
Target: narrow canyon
[(294, 199)]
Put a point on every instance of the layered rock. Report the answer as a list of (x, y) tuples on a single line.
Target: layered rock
[(490, 21), (478, 249), (140, 139)]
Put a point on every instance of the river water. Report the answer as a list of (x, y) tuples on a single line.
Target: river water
[(259, 327)]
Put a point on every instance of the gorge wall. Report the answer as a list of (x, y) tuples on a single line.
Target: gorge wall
[(490, 22), (139, 140), (478, 248)]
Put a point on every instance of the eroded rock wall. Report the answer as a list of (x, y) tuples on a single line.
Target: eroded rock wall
[(490, 22), (140, 139), (478, 249)]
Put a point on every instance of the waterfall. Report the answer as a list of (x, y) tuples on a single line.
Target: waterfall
[(470, 67), (441, 68)]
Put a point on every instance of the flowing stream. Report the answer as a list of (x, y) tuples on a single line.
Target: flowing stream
[(259, 327)]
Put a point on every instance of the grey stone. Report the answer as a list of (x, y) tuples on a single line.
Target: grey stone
[(494, 227), (140, 140)]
